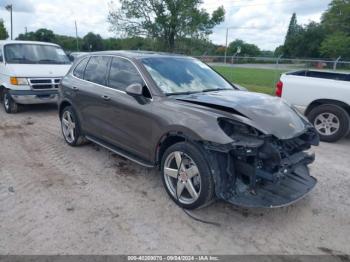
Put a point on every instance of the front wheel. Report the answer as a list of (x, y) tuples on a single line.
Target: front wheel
[(331, 122), (186, 176), (10, 105)]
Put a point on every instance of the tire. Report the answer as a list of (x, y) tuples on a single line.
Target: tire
[(70, 128), (203, 183), (10, 105), (338, 127)]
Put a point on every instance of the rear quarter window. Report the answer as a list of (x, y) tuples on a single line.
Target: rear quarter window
[(80, 68)]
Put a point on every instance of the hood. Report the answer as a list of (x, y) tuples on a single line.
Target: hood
[(269, 114), (38, 70)]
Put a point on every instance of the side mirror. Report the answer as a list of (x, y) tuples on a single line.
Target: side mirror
[(134, 89)]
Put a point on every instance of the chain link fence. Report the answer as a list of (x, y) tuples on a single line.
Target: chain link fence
[(261, 73)]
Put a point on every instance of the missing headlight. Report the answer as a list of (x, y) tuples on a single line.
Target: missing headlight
[(231, 128)]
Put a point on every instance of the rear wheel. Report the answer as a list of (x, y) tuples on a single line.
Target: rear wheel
[(186, 176), (9, 104), (70, 127), (332, 122)]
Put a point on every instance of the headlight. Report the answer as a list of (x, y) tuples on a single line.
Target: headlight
[(232, 128), (18, 81)]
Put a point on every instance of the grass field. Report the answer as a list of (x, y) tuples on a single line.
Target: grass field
[(257, 80)]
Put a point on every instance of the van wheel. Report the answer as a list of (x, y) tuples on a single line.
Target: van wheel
[(70, 127), (332, 122), (186, 176), (9, 104)]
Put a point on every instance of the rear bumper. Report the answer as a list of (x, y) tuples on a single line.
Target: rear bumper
[(34, 97)]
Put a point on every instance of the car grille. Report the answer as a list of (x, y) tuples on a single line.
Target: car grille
[(44, 83)]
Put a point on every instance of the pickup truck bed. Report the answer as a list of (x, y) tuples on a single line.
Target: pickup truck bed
[(324, 75)]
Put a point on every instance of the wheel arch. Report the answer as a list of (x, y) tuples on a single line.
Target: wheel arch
[(319, 102), (170, 138), (62, 106)]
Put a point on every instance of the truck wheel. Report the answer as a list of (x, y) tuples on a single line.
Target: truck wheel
[(186, 176), (70, 127), (332, 122), (9, 104)]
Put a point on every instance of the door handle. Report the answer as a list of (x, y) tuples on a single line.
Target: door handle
[(75, 88), (107, 98)]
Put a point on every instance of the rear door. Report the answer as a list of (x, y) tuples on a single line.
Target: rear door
[(90, 101), (129, 119)]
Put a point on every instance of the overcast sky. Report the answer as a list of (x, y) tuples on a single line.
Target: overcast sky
[(265, 21)]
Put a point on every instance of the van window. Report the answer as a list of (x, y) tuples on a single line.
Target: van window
[(80, 68), (96, 69), (1, 56), (35, 54), (122, 74)]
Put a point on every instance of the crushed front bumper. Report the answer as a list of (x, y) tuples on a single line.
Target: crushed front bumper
[(261, 176), (34, 97), (288, 190)]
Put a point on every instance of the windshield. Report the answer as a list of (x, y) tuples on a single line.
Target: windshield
[(184, 75), (35, 54)]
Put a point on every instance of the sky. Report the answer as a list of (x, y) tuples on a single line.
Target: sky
[(261, 22)]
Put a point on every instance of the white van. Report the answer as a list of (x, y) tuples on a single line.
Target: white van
[(30, 72)]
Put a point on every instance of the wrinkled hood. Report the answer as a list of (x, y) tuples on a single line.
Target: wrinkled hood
[(38, 70), (269, 114)]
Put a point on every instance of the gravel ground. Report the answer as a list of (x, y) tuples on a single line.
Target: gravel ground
[(55, 199)]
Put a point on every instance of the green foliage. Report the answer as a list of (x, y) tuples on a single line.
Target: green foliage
[(329, 39), (246, 49), (337, 17), (92, 42), (164, 20), (3, 31), (337, 44)]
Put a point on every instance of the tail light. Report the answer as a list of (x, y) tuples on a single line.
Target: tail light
[(279, 88)]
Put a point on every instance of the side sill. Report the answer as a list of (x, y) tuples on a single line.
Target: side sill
[(120, 152)]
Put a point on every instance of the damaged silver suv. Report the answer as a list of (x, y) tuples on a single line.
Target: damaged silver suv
[(209, 139)]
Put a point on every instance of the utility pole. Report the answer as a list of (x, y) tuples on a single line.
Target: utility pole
[(76, 35), (26, 30), (9, 8), (226, 44)]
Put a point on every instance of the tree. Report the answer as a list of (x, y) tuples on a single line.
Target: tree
[(335, 45), (292, 37), (337, 17), (92, 42), (246, 49), (3, 31), (165, 20), (311, 40), (45, 35)]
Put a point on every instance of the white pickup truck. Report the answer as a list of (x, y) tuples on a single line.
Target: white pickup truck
[(30, 72), (323, 97)]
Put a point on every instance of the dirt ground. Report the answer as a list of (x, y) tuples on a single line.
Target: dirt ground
[(55, 199)]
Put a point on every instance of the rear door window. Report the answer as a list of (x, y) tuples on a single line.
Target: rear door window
[(96, 69), (122, 74), (80, 68)]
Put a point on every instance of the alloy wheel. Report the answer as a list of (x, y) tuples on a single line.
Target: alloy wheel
[(182, 177), (68, 126), (6, 101), (327, 124)]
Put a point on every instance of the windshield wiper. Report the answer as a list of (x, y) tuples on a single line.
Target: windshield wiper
[(215, 89), (21, 59), (183, 93), (50, 61)]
